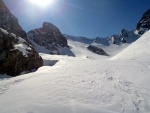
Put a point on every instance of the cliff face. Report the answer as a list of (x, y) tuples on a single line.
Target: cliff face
[(144, 23), (16, 52), (16, 55), (9, 22)]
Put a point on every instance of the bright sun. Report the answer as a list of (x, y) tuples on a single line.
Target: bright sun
[(41, 3)]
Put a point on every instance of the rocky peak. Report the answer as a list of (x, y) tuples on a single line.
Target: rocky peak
[(3, 6), (47, 27), (9, 22), (54, 33), (144, 23), (49, 37), (123, 36)]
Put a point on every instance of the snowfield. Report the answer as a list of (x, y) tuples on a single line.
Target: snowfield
[(87, 83)]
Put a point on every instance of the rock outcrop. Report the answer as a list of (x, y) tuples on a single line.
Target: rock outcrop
[(16, 52), (144, 23), (16, 55), (97, 50), (48, 37), (9, 22)]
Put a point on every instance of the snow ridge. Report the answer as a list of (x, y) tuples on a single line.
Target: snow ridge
[(138, 50)]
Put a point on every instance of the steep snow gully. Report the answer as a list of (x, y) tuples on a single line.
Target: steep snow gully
[(87, 83)]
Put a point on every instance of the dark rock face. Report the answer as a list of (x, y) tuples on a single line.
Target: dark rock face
[(16, 55), (144, 23), (97, 50), (48, 36), (9, 22)]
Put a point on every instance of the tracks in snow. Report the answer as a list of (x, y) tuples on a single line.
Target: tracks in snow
[(108, 89)]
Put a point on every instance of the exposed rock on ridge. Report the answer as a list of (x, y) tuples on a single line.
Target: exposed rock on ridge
[(144, 23), (9, 22)]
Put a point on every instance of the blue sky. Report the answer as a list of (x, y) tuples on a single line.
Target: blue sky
[(89, 18)]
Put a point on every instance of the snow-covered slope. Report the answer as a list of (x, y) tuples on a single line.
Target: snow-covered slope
[(112, 49), (79, 48), (138, 50), (111, 45), (87, 83)]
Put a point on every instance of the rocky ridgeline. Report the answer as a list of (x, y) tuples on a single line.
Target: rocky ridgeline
[(49, 37), (144, 23), (124, 37), (118, 39), (16, 53), (9, 22)]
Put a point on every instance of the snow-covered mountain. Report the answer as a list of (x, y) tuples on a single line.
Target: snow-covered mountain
[(49, 39), (118, 39), (144, 24)]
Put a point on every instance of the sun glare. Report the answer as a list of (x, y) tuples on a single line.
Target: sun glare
[(41, 3)]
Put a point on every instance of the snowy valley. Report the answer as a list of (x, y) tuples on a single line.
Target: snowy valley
[(44, 71), (87, 83)]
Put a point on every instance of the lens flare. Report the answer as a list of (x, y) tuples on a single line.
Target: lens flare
[(41, 3)]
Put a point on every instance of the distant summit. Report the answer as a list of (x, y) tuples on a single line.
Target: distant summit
[(123, 37), (144, 23)]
